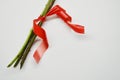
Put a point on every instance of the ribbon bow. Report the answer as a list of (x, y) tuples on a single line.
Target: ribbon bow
[(40, 32)]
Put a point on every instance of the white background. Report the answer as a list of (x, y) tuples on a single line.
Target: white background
[(92, 56)]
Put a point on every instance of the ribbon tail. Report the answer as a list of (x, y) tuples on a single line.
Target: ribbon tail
[(44, 45), (77, 28), (40, 51)]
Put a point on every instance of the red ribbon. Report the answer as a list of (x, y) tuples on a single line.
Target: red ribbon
[(40, 32)]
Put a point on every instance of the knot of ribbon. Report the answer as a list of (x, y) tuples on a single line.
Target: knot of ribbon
[(40, 32)]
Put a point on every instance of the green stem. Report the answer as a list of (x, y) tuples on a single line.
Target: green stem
[(29, 41), (27, 51), (21, 50)]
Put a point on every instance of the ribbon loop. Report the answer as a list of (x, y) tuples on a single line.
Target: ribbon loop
[(55, 10), (59, 11), (64, 16), (40, 32)]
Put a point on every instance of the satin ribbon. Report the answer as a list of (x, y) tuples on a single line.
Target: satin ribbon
[(40, 32)]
